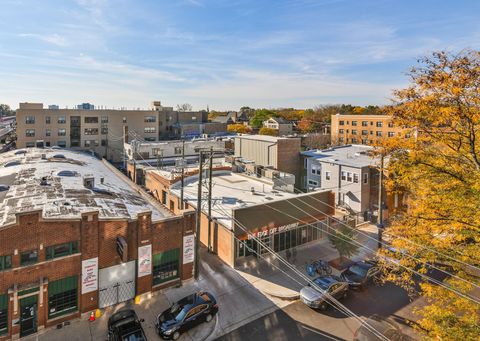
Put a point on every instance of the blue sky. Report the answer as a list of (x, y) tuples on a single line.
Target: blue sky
[(222, 53)]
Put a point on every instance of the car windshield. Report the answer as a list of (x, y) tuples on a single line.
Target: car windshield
[(358, 270), (322, 283), (136, 336)]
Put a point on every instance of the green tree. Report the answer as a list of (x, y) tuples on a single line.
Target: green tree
[(259, 116), (440, 172), (342, 240), (5, 110)]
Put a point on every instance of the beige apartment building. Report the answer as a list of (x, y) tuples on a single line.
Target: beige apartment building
[(363, 129), (104, 131)]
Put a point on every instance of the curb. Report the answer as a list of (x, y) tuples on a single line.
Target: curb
[(291, 297)]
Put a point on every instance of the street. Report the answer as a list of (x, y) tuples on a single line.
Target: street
[(297, 321)]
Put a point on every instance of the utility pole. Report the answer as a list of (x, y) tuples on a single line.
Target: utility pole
[(210, 171), (134, 161), (183, 174), (199, 215), (380, 203)]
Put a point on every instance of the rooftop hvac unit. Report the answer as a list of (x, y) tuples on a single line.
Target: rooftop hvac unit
[(89, 181)]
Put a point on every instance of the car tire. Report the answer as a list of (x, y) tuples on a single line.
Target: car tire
[(175, 335), (208, 318)]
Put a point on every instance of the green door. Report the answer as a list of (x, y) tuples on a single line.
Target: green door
[(28, 315)]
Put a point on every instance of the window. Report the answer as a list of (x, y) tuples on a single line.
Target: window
[(407, 135), (391, 134), (62, 297), (365, 178), (316, 169), (172, 205), (104, 119), (91, 131), (364, 123), (91, 119), (104, 130), (178, 150), (156, 151), (354, 132), (91, 143), (354, 123), (62, 144), (29, 257), (103, 143), (364, 141), (62, 132), (61, 250), (344, 175), (341, 131), (5, 262), (124, 120), (150, 119), (354, 140), (30, 132), (327, 175), (313, 183), (349, 177), (29, 119), (342, 123), (62, 119), (390, 124), (48, 132), (47, 119), (379, 124), (3, 314), (371, 132), (30, 144), (149, 130), (364, 132), (355, 178), (165, 266), (149, 139), (379, 133), (340, 139)]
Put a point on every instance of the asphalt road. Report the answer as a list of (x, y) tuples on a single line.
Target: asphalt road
[(299, 322)]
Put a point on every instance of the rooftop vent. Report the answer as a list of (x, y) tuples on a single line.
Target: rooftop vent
[(43, 181), (67, 173), (59, 156), (89, 181)]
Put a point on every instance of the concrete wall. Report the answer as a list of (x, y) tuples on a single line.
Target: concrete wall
[(263, 153)]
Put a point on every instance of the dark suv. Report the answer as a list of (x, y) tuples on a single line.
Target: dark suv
[(186, 314), (124, 325), (360, 274)]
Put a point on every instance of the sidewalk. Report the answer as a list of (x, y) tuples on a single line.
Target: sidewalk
[(270, 275)]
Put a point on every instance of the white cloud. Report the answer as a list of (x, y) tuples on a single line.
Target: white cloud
[(54, 39)]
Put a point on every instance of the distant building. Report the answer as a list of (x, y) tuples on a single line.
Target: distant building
[(104, 131), (282, 126), (364, 129), (77, 235), (53, 107), (84, 106)]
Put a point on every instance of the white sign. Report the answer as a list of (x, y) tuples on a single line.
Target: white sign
[(273, 230), (188, 249), (89, 275), (144, 260)]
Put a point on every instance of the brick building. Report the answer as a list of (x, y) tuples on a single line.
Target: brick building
[(76, 235)]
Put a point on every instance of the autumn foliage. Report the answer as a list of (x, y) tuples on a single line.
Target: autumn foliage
[(238, 128)]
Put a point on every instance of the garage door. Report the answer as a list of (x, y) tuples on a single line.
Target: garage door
[(116, 284)]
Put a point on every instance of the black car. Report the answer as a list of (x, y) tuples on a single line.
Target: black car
[(124, 325), (359, 274), (377, 327), (186, 314)]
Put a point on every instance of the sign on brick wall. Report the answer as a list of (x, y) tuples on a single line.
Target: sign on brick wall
[(188, 249), (89, 275), (144, 260)]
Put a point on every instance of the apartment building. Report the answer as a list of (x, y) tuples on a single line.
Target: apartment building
[(364, 129), (77, 235), (104, 131)]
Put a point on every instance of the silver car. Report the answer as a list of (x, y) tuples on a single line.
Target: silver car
[(316, 298)]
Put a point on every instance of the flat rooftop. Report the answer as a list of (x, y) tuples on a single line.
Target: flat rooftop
[(64, 196), (354, 155), (230, 191), (266, 138)]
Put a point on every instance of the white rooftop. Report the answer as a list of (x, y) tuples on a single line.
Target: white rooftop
[(352, 155), (65, 197), (230, 191), (267, 138)]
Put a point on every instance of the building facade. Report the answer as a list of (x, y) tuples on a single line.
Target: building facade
[(103, 130), (364, 129), (282, 126), (75, 242)]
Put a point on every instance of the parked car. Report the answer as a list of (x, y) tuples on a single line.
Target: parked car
[(124, 325), (386, 327), (332, 285), (359, 274), (185, 314)]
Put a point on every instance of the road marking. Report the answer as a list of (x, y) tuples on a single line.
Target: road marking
[(319, 333)]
